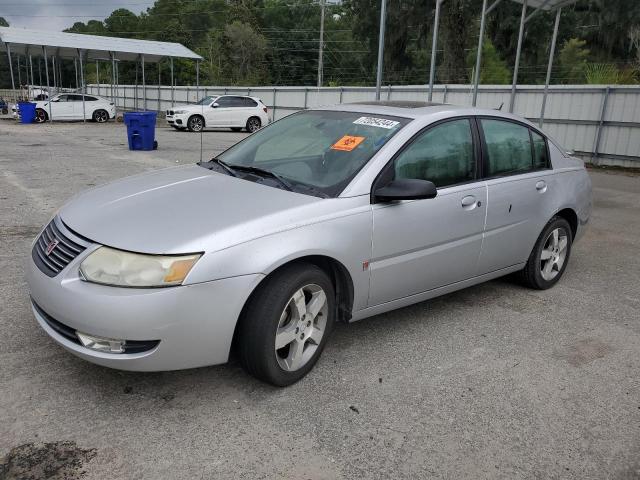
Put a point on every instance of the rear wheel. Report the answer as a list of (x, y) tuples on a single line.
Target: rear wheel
[(253, 124), (41, 115), (550, 255), (286, 324), (100, 116), (195, 123)]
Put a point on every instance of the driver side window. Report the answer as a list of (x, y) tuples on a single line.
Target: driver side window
[(443, 155)]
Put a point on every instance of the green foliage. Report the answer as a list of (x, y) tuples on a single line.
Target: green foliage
[(572, 61), (276, 42), (608, 74), (3, 22), (494, 70)]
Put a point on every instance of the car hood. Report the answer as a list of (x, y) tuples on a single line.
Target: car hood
[(191, 108), (186, 209)]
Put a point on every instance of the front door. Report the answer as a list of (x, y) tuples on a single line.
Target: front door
[(220, 114), (419, 245), (62, 107)]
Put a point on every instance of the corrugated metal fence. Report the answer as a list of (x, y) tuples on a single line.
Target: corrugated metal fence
[(600, 123)]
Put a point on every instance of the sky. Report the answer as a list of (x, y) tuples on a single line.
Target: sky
[(56, 15)]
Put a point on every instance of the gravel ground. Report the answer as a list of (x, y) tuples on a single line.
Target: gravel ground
[(495, 381)]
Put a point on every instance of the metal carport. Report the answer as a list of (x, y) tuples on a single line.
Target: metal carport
[(90, 48), (537, 6)]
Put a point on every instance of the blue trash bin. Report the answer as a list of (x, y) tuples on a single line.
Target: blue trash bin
[(27, 112), (141, 130)]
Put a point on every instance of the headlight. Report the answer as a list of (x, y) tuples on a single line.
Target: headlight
[(179, 112), (125, 269)]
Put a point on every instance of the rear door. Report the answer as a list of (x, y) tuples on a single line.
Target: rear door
[(520, 186), (76, 101), (419, 245)]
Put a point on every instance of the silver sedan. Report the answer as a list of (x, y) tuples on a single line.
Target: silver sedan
[(333, 214)]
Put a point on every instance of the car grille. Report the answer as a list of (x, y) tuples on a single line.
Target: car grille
[(130, 346), (54, 249)]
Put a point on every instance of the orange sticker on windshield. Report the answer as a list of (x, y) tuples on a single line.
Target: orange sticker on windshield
[(347, 143)]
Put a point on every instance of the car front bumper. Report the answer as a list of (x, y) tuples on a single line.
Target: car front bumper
[(193, 323), (178, 120)]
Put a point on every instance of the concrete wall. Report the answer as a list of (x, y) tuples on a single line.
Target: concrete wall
[(600, 123)]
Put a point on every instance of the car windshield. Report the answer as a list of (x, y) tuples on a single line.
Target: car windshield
[(206, 100), (318, 150)]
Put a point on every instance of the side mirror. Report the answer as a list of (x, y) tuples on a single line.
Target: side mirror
[(406, 189), (215, 105)]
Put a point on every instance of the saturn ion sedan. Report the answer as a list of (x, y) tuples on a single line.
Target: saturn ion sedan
[(328, 215)]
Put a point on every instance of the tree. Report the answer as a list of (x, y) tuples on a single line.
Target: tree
[(245, 51), (494, 70), (572, 61)]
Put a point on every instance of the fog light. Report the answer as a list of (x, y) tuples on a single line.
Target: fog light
[(110, 345)]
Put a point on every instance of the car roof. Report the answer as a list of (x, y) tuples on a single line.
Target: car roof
[(422, 110)]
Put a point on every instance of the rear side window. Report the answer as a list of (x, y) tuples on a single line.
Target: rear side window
[(249, 102), (443, 155), (75, 98), (87, 98), (540, 152), (508, 146)]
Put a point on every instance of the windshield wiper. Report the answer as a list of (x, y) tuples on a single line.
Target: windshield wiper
[(224, 165), (262, 171)]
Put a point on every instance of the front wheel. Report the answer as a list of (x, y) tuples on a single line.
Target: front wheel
[(550, 255), (100, 116), (195, 123), (41, 115), (253, 124), (286, 324)]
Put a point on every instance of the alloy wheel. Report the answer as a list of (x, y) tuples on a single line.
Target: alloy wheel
[(253, 124), (554, 254), (101, 116), (41, 116), (195, 123), (301, 327)]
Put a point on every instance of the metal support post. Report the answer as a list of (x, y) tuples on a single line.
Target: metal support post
[(159, 82), (523, 15), (84, 114), (603, 112), (383, 18), (479, 55), (172, 86), (197, 80), (434, 46), (321, 45), (13, 83), (552, 50), (46, 71), (98, 76), (144, 85)]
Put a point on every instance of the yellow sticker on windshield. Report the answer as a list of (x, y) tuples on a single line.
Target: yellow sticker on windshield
[(347, 143)]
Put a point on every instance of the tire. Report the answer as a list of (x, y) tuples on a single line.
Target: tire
[(100, 116), (236, 129), (195, 123), (253, 124), (272, 314), (550, 255), (41, 115)]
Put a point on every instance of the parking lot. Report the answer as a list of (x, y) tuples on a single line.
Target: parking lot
[(495, 381)]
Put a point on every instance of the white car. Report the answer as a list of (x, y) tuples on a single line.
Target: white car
[(235, 112), (68, 106)]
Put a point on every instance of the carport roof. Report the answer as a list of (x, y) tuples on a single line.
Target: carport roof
[(546, 4), (94, 46)]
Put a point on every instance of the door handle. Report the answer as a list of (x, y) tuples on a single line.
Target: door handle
[(541, 186), (469, 202)]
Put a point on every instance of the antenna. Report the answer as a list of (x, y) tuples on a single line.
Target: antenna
[(500, 107)]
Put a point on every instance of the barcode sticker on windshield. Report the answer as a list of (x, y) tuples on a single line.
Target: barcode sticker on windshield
[(376, 122)]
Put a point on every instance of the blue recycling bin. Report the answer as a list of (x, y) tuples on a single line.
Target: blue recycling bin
[(141, 130), (27, 112)]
